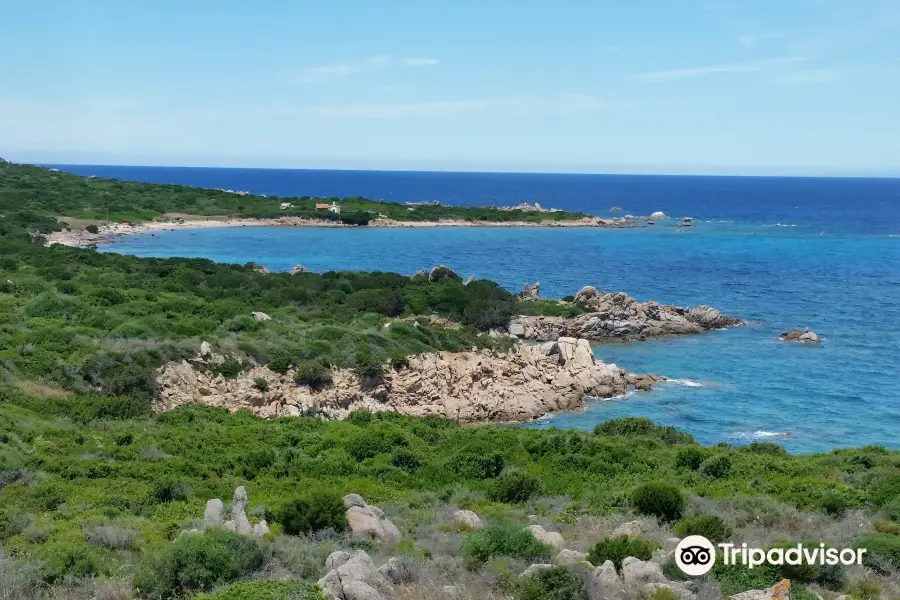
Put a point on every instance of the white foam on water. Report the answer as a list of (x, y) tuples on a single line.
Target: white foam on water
[(685, 382), (761, 434)]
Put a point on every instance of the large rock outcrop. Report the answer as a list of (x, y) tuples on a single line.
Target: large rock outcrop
[(617, 315), (474, 386), (369, 522)]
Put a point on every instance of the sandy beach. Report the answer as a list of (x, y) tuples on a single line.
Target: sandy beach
[(78, 237)]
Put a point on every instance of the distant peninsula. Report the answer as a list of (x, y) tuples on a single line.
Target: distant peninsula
[(80, 210)]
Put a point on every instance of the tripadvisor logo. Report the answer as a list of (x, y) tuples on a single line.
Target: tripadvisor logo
[(695, 555)]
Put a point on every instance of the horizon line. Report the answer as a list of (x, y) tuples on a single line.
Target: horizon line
[(476, 171)]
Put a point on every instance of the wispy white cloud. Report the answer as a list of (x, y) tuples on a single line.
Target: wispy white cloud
[(370, 63), (557, 104), (753, 66)]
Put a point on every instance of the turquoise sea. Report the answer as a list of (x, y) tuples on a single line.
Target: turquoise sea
[(817, 253)]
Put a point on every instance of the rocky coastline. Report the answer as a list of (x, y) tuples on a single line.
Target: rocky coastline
[(617, 316), (469, 387)]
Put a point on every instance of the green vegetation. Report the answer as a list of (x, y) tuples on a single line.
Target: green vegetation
[(711, 527), (52, 194), (95, 490), (620, 547), (318, 510), (661, 500), (502, 540)]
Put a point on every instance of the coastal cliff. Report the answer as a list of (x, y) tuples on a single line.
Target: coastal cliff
[(471, 386), (618, 316)]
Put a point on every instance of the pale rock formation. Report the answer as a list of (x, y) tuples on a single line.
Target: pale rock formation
[(534, 569), (615, 209), (466, 519), (636, 572), (532, 291), (469, 280), (801, 337), (214, 515), (261, 317), (617, 315), (442, 272), (569, 557), (369, 522), (605, 584), (356, 578), (395, 571), (658, 215), (205, 351), (298, 269), (553, 538), (473, 386), (239, 511), (632, 528), (336, 559)]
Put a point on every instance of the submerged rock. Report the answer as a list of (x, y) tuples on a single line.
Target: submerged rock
[(802, 337)]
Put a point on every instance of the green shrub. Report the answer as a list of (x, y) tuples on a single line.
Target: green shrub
[(864, 589), (641, 426), (280, 360), (406, 459), (514, 487), (663, 593), (367, 362), (169, 489), (620, 547), (230, 368), (691, 457), (766, 448), (502, 540), (92, 229), (312, 373), (661, 500), (882, 526), (892, 510), (834, 504), (477, 462), (261, 384), (318, 510), (267, 590), (736, 578), (557, 583), (881, 548), (711, 527), (717, 467), (197, 562), (73, 560)]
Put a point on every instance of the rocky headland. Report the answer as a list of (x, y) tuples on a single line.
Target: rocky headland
[(615, 315), (523, 384)]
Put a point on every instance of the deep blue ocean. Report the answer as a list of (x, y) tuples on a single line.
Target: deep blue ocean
[(783, 252)]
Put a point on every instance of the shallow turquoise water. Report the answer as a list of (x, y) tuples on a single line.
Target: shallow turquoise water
[(844, 285)]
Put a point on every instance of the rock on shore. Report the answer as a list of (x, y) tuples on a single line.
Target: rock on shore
[(617, 315), (472, 386)]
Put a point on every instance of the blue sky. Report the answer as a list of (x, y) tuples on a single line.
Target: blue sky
[(693, 86)]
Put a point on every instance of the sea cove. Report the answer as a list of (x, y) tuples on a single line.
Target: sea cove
[(743, 383)]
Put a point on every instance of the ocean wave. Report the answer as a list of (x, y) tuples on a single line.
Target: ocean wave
[(780, 225), (762, 435), (685, 382)]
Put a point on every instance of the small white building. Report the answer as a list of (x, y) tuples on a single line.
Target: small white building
[(335, 208)]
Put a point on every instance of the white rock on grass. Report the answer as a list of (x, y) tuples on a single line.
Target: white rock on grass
[(214, 515), (369, 522), (553, 538), (569, 557), (534, 569), (466, 519), (356, 579), (605, 582), (635, 572)]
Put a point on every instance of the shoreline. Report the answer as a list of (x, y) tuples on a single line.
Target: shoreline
[(81, 239)]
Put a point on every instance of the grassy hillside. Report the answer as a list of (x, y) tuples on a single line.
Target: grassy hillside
[(95, 492), (28, 192)]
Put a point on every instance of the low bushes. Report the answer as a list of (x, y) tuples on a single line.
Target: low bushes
[(312, 373), (691, 457), (197, 562), (502, 540), (557, 583), (883, 550), (717, 467), (515, 487), (711, 527), (661, 500), (620, 547), (320, 509), (641, 426), (267, 590)]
